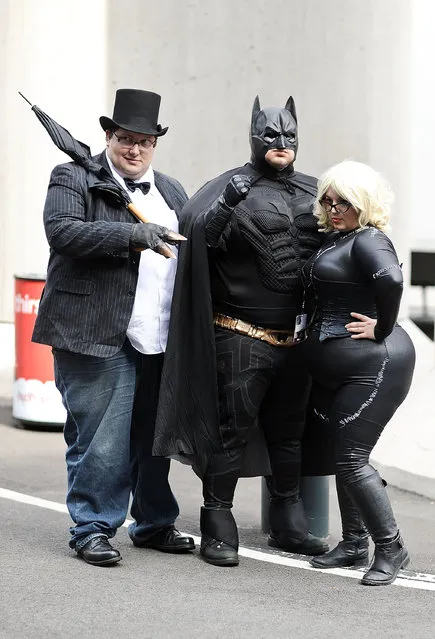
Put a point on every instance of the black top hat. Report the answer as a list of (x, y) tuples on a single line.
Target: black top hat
[(135, 110)]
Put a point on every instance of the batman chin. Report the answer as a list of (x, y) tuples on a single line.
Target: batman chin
[(273, 128)]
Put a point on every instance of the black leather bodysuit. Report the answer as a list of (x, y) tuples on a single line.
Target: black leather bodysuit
[(356, 271), (358, 383)]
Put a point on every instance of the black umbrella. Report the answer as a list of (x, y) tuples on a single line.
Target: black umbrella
[(81, 153)]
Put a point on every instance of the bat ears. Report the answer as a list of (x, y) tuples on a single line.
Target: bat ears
[(255, 109), (290, 106)]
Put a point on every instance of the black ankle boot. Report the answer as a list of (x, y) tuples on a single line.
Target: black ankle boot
[(219, 537), (289, 529), (390, 556), (349, 552), (353, 550)]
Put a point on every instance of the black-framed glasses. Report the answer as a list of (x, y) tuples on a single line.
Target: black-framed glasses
[(128, 143), (340, 207)]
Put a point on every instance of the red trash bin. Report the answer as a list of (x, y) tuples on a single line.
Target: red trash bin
[(35, 396)]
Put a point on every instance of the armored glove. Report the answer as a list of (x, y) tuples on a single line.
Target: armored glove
[(236, 190), (220, 212)]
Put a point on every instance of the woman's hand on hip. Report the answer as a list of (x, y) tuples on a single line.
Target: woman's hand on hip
[(364, 328)]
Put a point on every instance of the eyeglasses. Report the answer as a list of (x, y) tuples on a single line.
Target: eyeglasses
[(340, 207), (128, 143)]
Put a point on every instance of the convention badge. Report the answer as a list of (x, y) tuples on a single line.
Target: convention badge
[(300, 325)]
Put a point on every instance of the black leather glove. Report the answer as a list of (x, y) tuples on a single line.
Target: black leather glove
[(236, 190), (151, 236)]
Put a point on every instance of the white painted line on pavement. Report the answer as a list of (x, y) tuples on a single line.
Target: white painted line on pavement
[(33, 501), (416, 580), (420, 581)]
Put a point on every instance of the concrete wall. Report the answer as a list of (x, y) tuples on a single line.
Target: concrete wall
[(338, 58), (55, 54)]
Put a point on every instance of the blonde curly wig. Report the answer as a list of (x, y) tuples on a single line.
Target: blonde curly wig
[(367, 191)]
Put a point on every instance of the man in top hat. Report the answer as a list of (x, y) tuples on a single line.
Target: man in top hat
[(105, 312)]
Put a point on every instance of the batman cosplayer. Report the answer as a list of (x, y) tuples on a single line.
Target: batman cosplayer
[(233, 397)]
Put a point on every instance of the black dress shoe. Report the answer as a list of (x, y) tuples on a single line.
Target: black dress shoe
[(99, 552), (167, 540)]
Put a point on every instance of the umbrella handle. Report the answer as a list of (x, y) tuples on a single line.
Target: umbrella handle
[(163, 250), (137, 213)]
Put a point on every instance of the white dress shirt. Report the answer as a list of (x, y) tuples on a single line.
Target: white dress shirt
[(149, 322)]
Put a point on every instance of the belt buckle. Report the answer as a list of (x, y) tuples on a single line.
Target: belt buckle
[(280, 339)]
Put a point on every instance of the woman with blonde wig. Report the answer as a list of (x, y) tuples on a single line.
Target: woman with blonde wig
[(362, 362)]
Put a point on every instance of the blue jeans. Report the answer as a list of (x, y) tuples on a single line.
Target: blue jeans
[(111, 408)]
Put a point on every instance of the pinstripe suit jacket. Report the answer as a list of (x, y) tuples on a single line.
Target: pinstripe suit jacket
[(92, 274)]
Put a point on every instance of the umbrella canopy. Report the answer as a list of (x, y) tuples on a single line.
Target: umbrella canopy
[(81, 153)]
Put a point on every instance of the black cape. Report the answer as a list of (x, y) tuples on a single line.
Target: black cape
[(187, 425)]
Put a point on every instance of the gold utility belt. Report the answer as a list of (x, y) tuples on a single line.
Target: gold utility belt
[(269, 335)]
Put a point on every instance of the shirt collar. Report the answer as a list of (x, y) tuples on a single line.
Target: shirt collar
[(147, 177)]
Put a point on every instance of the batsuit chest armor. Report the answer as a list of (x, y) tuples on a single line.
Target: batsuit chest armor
[(255, 273)]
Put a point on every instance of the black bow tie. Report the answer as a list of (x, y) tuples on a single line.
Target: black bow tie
[(132, 185)]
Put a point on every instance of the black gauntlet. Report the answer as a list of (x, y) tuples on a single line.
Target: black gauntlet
[(220, 211), (149, 235), (236, 190)]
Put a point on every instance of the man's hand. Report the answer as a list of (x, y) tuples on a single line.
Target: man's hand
[(364, 328), (154, 236), (237, 189)]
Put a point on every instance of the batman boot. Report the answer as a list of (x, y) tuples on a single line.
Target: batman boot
[(289, 529), (353, 550), (219, 537)]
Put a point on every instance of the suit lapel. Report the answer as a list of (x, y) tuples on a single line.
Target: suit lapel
[(94, 181)]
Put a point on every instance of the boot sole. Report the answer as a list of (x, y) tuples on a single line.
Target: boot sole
[(357, 563), (299, 550), (171, 549), (220, 562), (388, 582)]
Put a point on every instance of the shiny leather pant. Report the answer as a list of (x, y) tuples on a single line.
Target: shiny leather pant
[(366, 383), (258, 384), (220, 481)]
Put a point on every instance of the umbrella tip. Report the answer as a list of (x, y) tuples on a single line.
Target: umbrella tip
[(24, 98)]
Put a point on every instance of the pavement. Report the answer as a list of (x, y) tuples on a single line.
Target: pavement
[(46, 591)]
